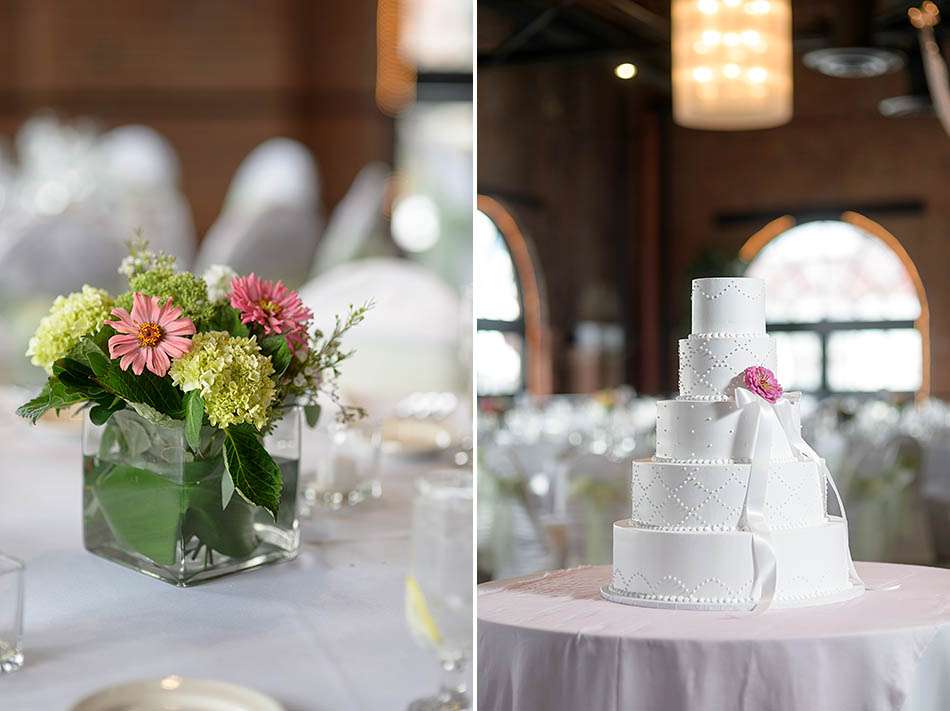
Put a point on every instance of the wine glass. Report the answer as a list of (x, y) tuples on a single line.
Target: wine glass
[(11, 614), (439, 583)]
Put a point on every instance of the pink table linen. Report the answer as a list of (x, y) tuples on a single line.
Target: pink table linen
[(549, 641)]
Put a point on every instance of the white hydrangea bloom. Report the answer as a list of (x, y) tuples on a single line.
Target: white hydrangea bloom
[(218, 278)]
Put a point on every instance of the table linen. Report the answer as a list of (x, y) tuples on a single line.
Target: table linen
[(549, 641), (325, 631)]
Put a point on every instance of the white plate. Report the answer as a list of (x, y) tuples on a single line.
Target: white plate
[(174, 693)]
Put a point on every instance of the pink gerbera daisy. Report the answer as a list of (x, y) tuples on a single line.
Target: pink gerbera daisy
[(272, 306), (150, 336)]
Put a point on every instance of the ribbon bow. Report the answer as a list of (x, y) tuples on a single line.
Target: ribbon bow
[(766, 421)]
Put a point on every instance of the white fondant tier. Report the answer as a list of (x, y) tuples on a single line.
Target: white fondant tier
[(704, 431), (710, 497), (711, 366), (716, 569), (728, 305)]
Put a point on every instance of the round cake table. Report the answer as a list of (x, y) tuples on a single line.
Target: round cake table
[(549, 642)]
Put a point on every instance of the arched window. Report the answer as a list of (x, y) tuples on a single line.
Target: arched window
[(845, 304), (510, 336)]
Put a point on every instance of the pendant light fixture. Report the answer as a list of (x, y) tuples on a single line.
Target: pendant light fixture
[(732, 63)]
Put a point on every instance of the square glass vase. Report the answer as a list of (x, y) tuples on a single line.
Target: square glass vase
[(152, 504)]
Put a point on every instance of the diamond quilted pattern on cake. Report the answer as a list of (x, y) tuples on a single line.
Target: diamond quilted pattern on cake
[(706, 497), (709, 367)]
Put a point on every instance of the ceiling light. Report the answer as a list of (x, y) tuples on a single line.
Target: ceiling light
[(732, 63), (625, 70)]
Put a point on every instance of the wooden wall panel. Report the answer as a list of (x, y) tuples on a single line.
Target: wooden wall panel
[(108, 44), (215, 77), (552, 149)]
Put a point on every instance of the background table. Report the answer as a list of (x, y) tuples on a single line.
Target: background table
[(550, 642), (325, 631)]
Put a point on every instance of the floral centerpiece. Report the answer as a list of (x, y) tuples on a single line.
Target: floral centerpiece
[(193, 389)]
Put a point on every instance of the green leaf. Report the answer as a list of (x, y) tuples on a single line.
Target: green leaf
[(255, 474), (194, 416), (88, 370), (147, 388), (77, 376), (147, 412), (227, 527), (55, 395), (153, 529), (227, 318), (227, 488), (312, 414), (100, 414), (276, 348), (134, 434)]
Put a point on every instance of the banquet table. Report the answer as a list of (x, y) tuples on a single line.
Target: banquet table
[(549, 641), (325, 631)]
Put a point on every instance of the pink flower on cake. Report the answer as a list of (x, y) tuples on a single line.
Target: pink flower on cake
[(150, 336), (762, 382), (274, 307)]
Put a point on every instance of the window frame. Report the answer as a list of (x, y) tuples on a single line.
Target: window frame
[(536, 366), (516, 326), (825, 328)]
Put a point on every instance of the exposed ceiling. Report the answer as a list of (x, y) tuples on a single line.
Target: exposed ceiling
[(526, 31)]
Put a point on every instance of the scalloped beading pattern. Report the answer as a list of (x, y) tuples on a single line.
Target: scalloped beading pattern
[(670, 588), (730, 286), (674, 589)]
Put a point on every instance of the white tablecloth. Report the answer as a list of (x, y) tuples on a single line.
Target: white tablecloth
[(325, 631), (550, 642)]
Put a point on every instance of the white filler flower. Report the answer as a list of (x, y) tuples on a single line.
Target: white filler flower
[(218, 278)]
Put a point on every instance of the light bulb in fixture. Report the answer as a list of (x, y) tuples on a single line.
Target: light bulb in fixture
[(625, 70)]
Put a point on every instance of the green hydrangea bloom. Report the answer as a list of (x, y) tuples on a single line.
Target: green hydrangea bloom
[(70, 318), (187, 291), (232, 376)]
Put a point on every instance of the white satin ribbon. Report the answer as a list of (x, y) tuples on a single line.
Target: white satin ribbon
[(792, 431), (755, 417)]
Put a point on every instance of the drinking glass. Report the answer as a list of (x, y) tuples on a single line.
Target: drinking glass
[(439, 584), (347, 461), (11, 614)]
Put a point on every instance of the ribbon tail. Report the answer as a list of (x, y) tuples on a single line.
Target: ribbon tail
[(803, 448), (830, 482), (754, 519)]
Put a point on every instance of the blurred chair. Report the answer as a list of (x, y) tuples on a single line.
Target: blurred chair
[(409, 341), (936, 493), (514, 537), (57, 254), (356, 223), (140, 174), (599, 495), (271, 220), (886, 515)]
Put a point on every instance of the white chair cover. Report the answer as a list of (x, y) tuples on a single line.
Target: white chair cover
[(409, 341), (57, 254), (139, 174), (356, 221), (271, 220)]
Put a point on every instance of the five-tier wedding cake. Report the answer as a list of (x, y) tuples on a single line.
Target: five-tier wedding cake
[(731, 512)]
